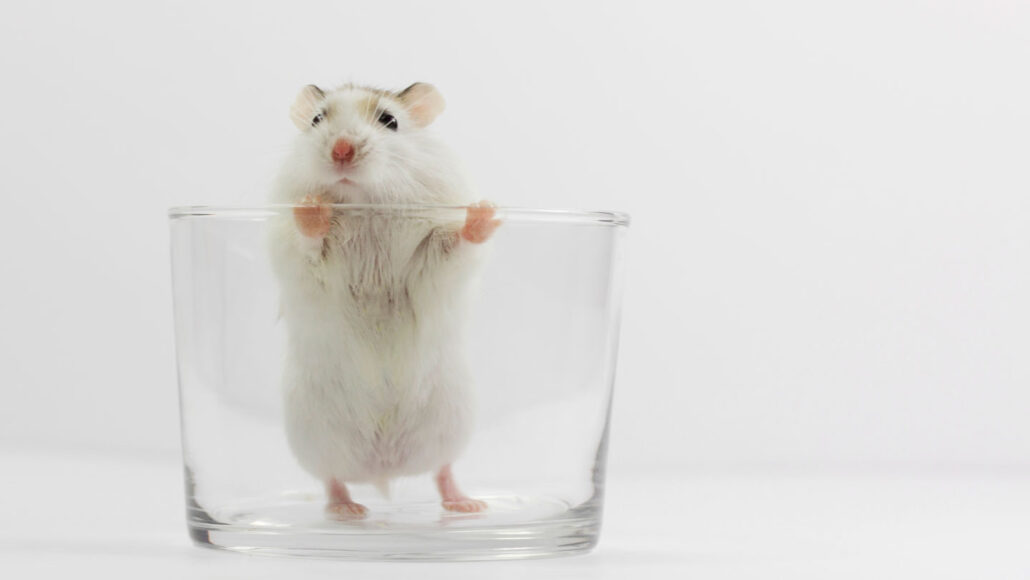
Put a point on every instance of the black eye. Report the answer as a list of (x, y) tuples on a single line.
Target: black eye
[(318, 119), (388, 121)]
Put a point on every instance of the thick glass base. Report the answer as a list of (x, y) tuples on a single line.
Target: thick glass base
[(511, 528)]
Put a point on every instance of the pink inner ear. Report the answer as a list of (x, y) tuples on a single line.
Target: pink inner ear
[(423, 114), (305, 106), (424, 103)]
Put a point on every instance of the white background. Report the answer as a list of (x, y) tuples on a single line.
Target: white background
[(829, 254)]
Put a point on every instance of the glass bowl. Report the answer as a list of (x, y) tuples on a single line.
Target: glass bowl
[(530, 330)]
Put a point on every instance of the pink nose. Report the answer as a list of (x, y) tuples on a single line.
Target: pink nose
[(343, 151)]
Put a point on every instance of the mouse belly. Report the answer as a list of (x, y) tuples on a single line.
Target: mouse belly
[(343, 426)]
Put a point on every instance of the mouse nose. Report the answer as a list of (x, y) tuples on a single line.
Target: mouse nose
[(343, 151)]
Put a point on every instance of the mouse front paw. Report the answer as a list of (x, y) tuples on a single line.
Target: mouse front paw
[(313, 216), (479, 223)]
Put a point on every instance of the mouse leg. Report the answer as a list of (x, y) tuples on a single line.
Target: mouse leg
[(341, 506), (313, 217), (453, 499), (479, 223)]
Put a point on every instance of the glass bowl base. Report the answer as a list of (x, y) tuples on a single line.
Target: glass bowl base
[(512, 527)]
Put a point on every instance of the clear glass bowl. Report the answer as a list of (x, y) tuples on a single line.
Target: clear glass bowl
[(540, 341)]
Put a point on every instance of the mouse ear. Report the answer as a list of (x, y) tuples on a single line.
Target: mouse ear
[(423, 102), (305, 106)]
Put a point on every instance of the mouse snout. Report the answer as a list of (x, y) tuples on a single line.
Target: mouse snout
[(343, 151)]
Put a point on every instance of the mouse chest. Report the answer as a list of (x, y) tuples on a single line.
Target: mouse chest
[(368, 265)]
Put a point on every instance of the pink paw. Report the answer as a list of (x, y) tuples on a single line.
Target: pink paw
[(313, 217), (346, 511), (479, 223), (464, 505)]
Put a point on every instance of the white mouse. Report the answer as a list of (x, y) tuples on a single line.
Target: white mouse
[(376, 383)]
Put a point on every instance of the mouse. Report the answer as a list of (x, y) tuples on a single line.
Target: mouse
[(375, 299)]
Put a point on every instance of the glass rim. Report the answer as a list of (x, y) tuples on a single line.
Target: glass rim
[(506, 213)]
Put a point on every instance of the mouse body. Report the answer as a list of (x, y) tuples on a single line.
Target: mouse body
[(374, 297)]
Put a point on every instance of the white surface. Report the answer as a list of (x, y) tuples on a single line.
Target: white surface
[(829, 258), (122, 517)]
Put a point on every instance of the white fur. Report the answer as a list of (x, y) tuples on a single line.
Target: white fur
[(376, 384)]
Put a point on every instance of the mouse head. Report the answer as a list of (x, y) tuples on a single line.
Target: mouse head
[(367, 138)]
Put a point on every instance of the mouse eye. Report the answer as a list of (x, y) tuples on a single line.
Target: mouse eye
[(318, 118), (387, 120)]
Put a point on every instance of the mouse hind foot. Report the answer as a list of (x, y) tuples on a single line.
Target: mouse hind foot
[(453, 498), (341, 507)]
